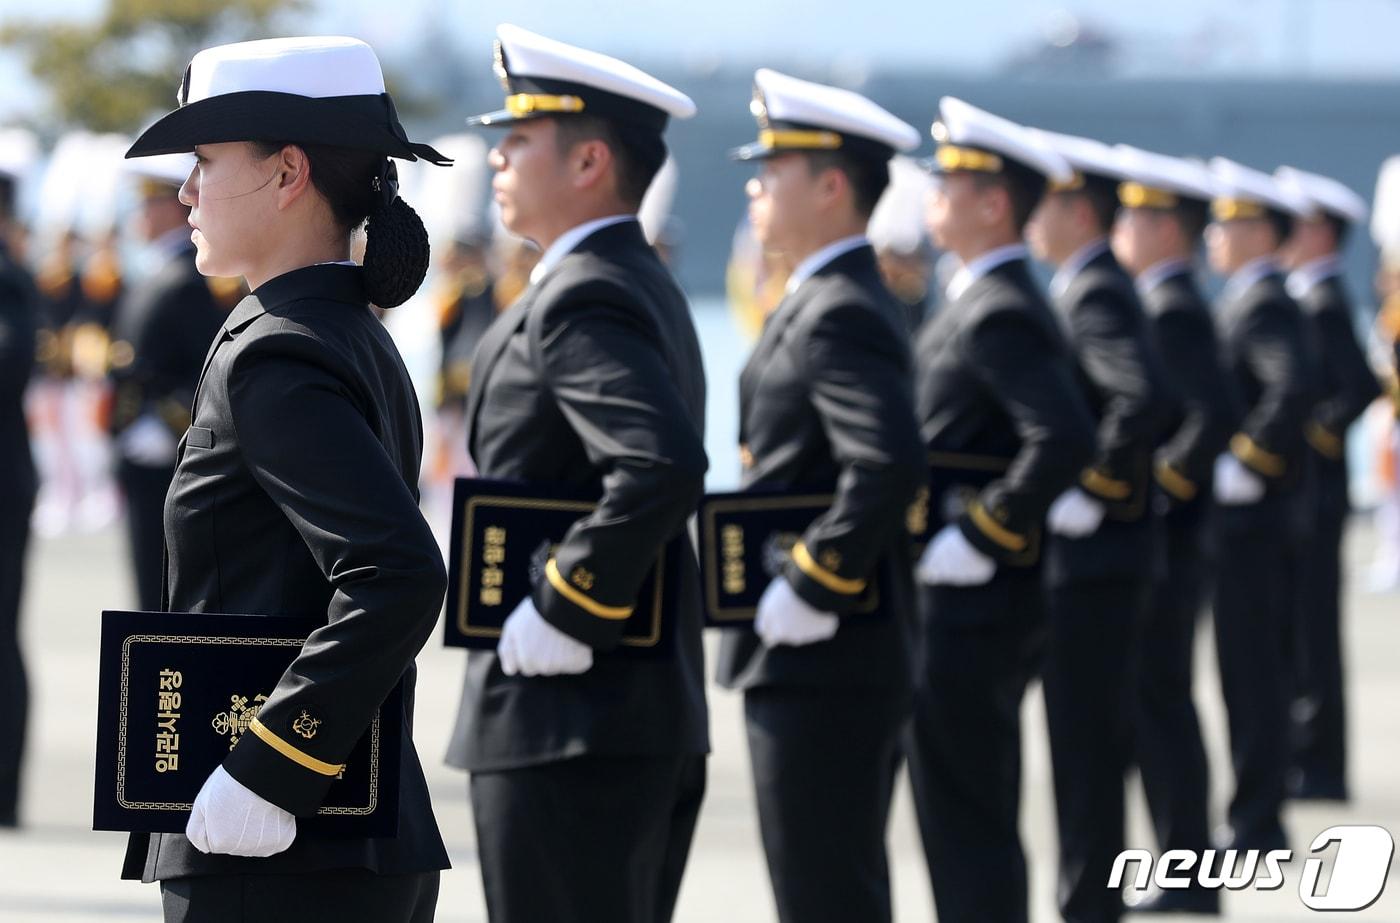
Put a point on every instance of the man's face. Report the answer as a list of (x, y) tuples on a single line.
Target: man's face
[(958, 211), (232, 196), (1056, 227), (530, 176), (782, 201), (1143, 237), (1233, 243)]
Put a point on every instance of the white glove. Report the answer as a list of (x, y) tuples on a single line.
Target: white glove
[(786, 618), (1236, 485), (1074, 514), (531, 646), (148, 442), (951, 559), (230, 818)]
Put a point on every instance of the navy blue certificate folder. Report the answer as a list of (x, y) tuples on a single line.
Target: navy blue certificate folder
[(176, 692), (503, 533)]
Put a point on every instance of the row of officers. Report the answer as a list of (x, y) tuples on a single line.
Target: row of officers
[(1102, 460)]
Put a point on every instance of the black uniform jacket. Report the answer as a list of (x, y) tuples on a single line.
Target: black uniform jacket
[(1121, 376), (1345, 386), (296, 494), (996, 379), (593, 378), (1262, 335), (1205, 412), (19, 319), (162, 330), (826, 404)]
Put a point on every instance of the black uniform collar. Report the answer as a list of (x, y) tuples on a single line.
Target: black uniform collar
[(322, 282)]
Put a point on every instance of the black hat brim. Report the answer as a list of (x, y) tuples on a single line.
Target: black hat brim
[(366, 123)]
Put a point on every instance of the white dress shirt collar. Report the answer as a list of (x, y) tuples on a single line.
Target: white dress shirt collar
[(566, 243), (979, 266), (1307, 277), (1251, 272), (1161, 271), (1075, 265), (818, 260)]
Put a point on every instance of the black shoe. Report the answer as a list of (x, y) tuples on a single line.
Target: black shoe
[(1305, 786), (1226, 837), (1187, 900)]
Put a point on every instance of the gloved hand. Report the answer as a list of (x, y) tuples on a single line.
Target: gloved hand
[(950, 559), (785, 618), (531, 646), (1074, 514), (1236, 485), (149, 442), (230, 818)]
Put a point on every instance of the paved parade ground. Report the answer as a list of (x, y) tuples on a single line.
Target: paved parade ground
[(55, 870)]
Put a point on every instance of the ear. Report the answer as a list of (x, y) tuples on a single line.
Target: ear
[(590, 162), (293, 175), (830, 186), (995, 205)]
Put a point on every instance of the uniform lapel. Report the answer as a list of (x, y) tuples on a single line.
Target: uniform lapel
[(488, 352)]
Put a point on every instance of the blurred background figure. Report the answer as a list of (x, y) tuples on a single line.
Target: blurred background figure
[(1383, 423), (900, 239), (18, 484), (163, 326)]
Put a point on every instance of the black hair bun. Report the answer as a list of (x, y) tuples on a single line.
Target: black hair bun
[(396, 254)]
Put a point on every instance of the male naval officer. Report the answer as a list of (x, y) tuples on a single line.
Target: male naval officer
[(826, 404), (1344, 387), (163, 327), (1165, 206), (587, 767), (1257, 487), (995, 390), (1104, 547)]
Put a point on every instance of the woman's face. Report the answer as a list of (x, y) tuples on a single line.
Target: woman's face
[(232, 199)]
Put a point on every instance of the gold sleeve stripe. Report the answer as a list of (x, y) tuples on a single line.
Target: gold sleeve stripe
[(1253, 455), (1096, 482), (304, 760), (995, 530), (1174, 483), (1326, 442), (833, 582), (591, 606)]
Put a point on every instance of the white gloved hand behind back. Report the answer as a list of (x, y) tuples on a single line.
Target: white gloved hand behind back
[(950, 559), (785, 618), (1075, 514), (531, 646), (1236, 485), (232, 819)]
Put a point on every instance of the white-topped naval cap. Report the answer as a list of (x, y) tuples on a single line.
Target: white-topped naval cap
[(1243, 192), (19, 152), (1152, 180), (897, 223), (795, 114), (323, 89), (1324, 194), (317, 66), (546, 77), (1087, 156), (966, 135)]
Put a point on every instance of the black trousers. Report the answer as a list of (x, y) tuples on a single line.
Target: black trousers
[(145, 489), (980, 648), (586, 839), (14, 684), (824, 761), (1253, 607), (345, 897), (1168, 746), (1090, 678), (1319, 701)]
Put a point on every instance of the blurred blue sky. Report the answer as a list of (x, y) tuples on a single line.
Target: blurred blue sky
[(1248, 38)]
